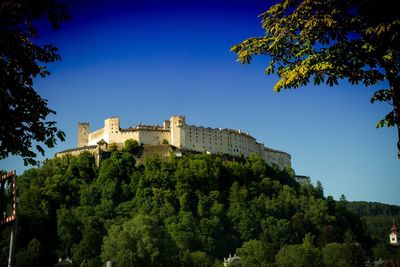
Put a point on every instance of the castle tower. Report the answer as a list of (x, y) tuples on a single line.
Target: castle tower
[(111, 129), (177, 124), (83, 134), (394, 237)]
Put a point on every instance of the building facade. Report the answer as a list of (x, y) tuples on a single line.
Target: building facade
[(177, 133), (394, 236)]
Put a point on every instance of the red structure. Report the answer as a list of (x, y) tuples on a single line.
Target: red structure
[(8, 204)]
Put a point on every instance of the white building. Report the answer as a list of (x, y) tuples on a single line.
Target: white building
[(177, 133), (394, 237)]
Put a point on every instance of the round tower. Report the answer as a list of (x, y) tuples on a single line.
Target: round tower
[(177, 124)]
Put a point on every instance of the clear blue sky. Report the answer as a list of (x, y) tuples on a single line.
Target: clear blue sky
[(147, 60)]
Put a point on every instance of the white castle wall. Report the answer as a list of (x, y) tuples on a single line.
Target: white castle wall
[(153, 137), (196, 138), (123, 135), (219, 141)]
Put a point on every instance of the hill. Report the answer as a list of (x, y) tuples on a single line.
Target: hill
[(189, 211), (377, 219), (364, 208)]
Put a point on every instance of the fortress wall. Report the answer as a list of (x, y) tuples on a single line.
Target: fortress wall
[(153, 137), (199, 139), (96, 136), (241, 143), (122, 136), (279, 158), (217, 140), (76, 152)]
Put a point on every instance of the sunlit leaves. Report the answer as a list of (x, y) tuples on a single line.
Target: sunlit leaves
[(382, 95), (389, 120)]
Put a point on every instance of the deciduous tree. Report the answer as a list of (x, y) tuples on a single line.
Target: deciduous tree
[(24, 114), (324, 41)]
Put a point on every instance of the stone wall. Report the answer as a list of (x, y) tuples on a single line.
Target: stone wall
[(153, 137)]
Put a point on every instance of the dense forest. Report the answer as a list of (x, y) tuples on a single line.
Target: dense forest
[(377, 218), (188, 211)]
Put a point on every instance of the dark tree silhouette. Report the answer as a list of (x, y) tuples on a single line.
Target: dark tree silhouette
[(23, 112)]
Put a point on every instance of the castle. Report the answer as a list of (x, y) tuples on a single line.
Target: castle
[(177, 133)]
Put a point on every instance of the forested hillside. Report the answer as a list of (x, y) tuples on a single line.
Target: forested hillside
[(378, 219), (190, 211), (364, 208)]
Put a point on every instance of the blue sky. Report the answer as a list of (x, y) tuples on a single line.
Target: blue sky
[(147, 60)]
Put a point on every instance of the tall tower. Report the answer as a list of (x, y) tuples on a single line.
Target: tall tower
[(83, 134), (177, 124), (394, 236), (111, 129)]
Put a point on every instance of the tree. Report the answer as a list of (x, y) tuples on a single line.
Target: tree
[(299, 255), (335, 254), (28, 256), (23, 112), (254, 253), (323, 41), (138, 242), (132, 146)]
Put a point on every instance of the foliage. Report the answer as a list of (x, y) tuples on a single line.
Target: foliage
[(189, 211), (300, 255), (253, 253), (138, 242), (363, 208), (27, 256), (132, 146), (23, 112), (377, 218), (335, 254), (326, 41)]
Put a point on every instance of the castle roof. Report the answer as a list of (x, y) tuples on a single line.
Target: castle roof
[(394, 228), (102, 142)]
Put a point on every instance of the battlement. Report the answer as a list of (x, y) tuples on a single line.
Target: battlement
[(113, 118)]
